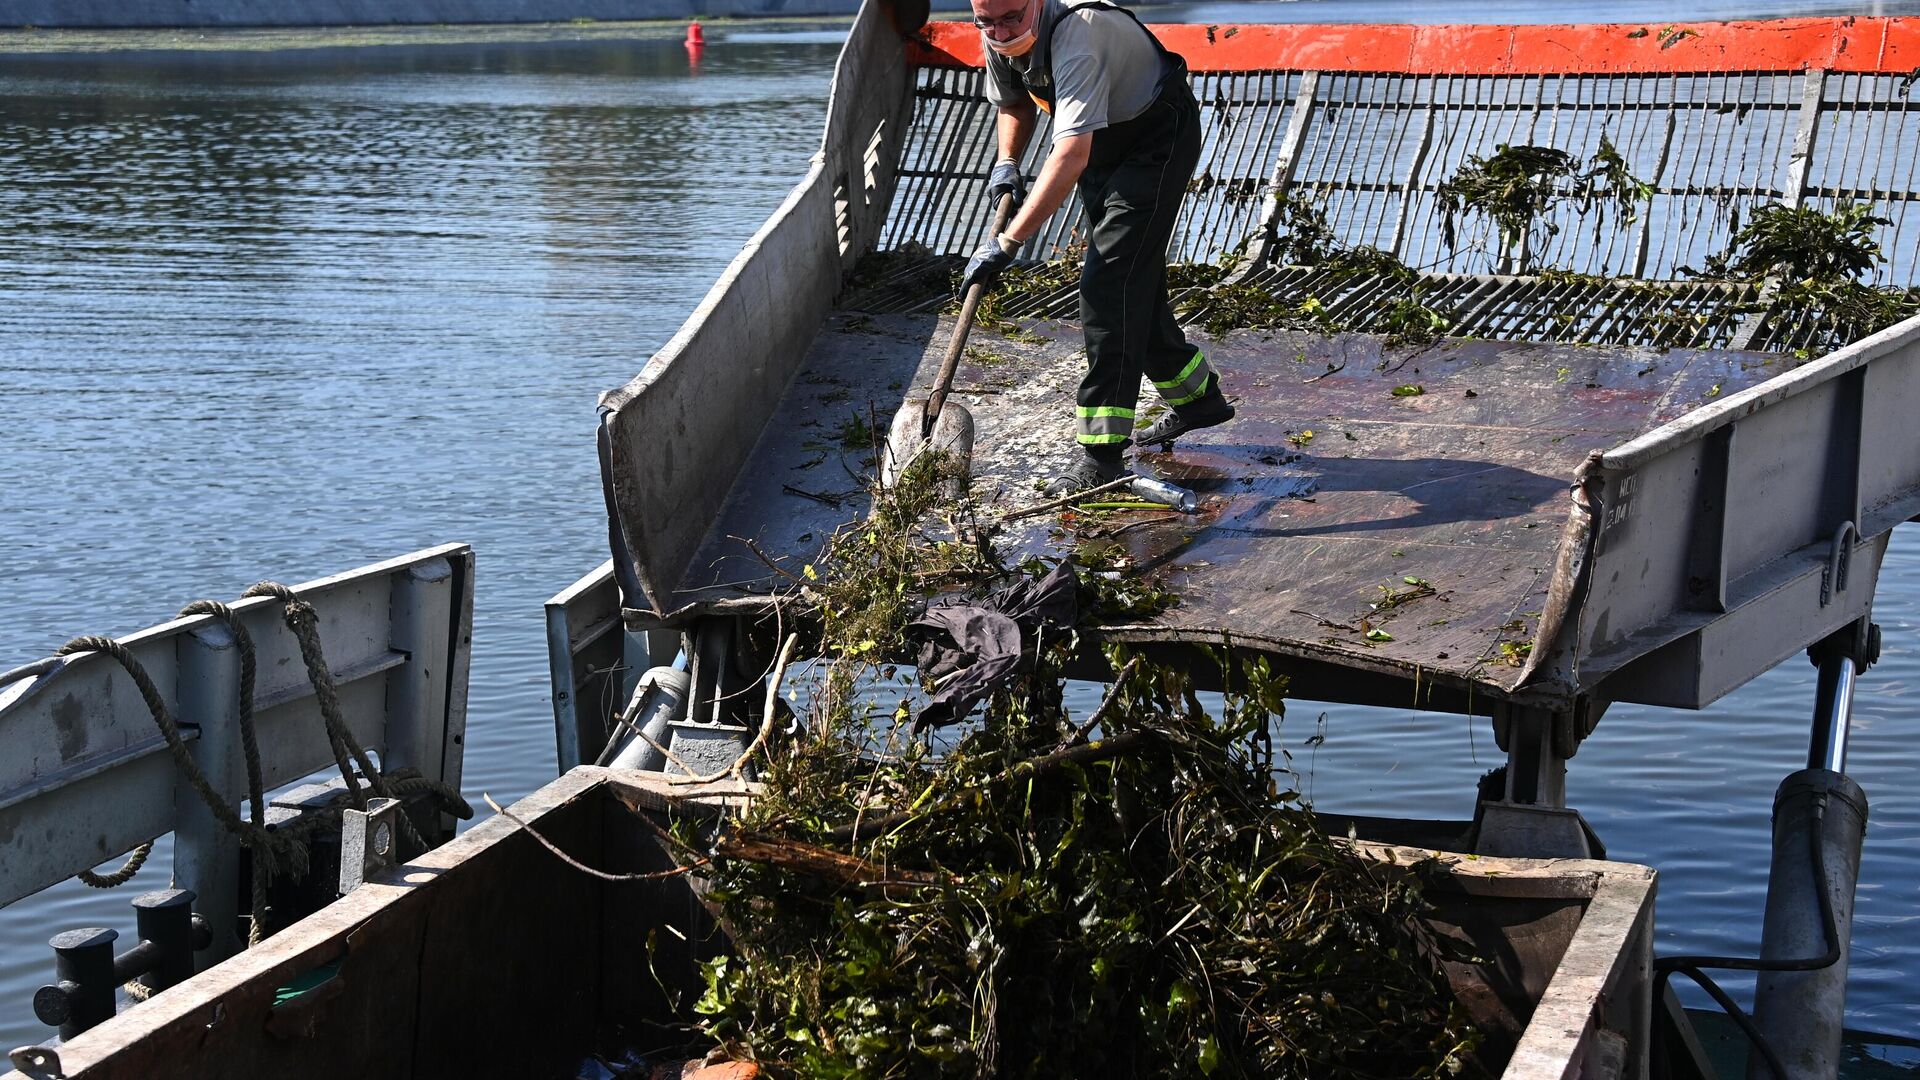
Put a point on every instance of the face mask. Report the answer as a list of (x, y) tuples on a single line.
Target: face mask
[(1020, 45)]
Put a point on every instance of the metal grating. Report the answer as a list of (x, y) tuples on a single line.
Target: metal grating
[(940, 196), (1371, 149), (1533, 308)]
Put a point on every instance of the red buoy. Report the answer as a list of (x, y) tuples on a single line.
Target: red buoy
[(696, 45)]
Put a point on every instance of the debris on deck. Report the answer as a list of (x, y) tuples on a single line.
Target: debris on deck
[(1395, 507), (1135, 891)]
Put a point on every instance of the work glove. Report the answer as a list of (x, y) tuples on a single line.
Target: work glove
[(989, 263), (1006, 178)]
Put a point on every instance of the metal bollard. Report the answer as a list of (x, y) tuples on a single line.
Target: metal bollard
[(83, 996), (165, 923), (89, 974)]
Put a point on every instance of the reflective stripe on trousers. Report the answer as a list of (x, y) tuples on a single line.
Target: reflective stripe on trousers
[(1190, 385), (1103, 425)]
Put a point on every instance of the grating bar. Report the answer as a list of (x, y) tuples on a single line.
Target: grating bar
[(1372, 149)]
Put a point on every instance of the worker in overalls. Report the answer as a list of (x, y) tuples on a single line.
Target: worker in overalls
[(1126, 131)]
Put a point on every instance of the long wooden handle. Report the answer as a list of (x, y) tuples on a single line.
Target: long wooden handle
[(964, 326)]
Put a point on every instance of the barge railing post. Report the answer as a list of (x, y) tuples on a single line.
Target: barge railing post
[(416, 693), (1799, 164), (206, 857)]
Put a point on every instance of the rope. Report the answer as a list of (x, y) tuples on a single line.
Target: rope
[(288, 843), (135, 860), (250, 748), (255, 835), (305, 624)]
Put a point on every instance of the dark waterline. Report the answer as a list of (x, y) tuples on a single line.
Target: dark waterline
[(283, 313)]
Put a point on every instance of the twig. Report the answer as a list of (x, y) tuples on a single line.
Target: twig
[(766, 722), (1323, 620), (828, 500), (1086, 753), (1331, 369), (768, 559), (1078, 496), (645, 817), (652, 875), (1119, 680), (1142, 523), (819, 861)]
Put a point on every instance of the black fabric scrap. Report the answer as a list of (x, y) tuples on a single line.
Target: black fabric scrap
[(971, 646)]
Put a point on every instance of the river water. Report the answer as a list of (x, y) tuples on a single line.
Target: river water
[(275, 312)]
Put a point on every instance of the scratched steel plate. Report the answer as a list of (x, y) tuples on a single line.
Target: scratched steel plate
[(1463, 486)]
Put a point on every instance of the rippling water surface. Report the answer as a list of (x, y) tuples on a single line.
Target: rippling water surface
[(279, 314)]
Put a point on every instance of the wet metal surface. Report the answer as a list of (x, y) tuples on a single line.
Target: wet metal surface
[(1417, 534)]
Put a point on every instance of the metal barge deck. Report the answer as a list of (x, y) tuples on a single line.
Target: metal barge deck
[(1655, 511)]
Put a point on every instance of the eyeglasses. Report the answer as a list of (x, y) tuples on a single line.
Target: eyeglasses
[(1004, 22)]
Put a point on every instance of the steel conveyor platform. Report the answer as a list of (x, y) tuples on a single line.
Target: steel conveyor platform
[(1620, 481)]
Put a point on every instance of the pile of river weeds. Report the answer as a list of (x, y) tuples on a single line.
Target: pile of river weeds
[(1123, 893)]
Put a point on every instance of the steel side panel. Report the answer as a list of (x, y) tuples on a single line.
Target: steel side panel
[(453, 758), (1710, 662), (1775, 480), (1791, 479), (298, 735), (684, 427), (85, 726), (588, 605), (585, 648), (55, 835), (1890, 444), (1639, 572)]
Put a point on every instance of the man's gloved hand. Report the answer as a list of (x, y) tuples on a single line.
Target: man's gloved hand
[(989, 262), (1006, 178)]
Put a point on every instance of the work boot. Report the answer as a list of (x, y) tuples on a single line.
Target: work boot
[(1088, 471), (1205, 413)]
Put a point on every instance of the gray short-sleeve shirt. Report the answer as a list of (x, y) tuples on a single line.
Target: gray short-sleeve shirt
[(1106, 70)]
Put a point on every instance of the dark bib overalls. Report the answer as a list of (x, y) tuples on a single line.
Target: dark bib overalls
[(1136, 173)]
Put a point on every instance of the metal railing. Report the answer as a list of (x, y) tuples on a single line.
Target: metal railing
[(85, 776)]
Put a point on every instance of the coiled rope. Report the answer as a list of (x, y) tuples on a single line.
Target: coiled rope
[(282, 849)]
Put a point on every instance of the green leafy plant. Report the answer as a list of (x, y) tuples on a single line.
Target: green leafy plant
[(1517, 186), (1149, 911), (1803, 243), (1817, 258), (1040, 896)]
